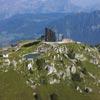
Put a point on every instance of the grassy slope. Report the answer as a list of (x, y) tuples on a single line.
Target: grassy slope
[(65, 92), (13, 87)]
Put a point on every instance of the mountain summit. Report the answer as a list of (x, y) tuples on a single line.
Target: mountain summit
[(64, 70)]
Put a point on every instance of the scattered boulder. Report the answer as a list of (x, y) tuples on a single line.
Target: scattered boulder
[(94, 61), (14, 63), (88, 90), (78, 89), (5, 55), (54, 81), (68, 72), (73, 69), (29, 66), (50, 69), (7, 62), (80, 57)]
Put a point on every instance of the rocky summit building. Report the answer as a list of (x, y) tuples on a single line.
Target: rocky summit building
[(50, 36)]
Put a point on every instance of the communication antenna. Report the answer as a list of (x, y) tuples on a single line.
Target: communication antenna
[(57, 33), (68, 34), (68, 31)]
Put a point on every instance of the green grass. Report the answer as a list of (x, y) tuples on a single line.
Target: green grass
[(91, 68), (65, 92), (24, 50), (13, 87)]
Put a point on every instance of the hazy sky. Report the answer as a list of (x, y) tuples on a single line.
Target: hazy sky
[(82, 3), (85, 3), (15, 6)]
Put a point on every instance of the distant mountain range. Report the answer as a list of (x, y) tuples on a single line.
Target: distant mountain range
[(35, 6), (25, 26), (9, 8), (84, 27)]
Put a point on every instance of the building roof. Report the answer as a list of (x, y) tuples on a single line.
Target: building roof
[(67, 40)]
